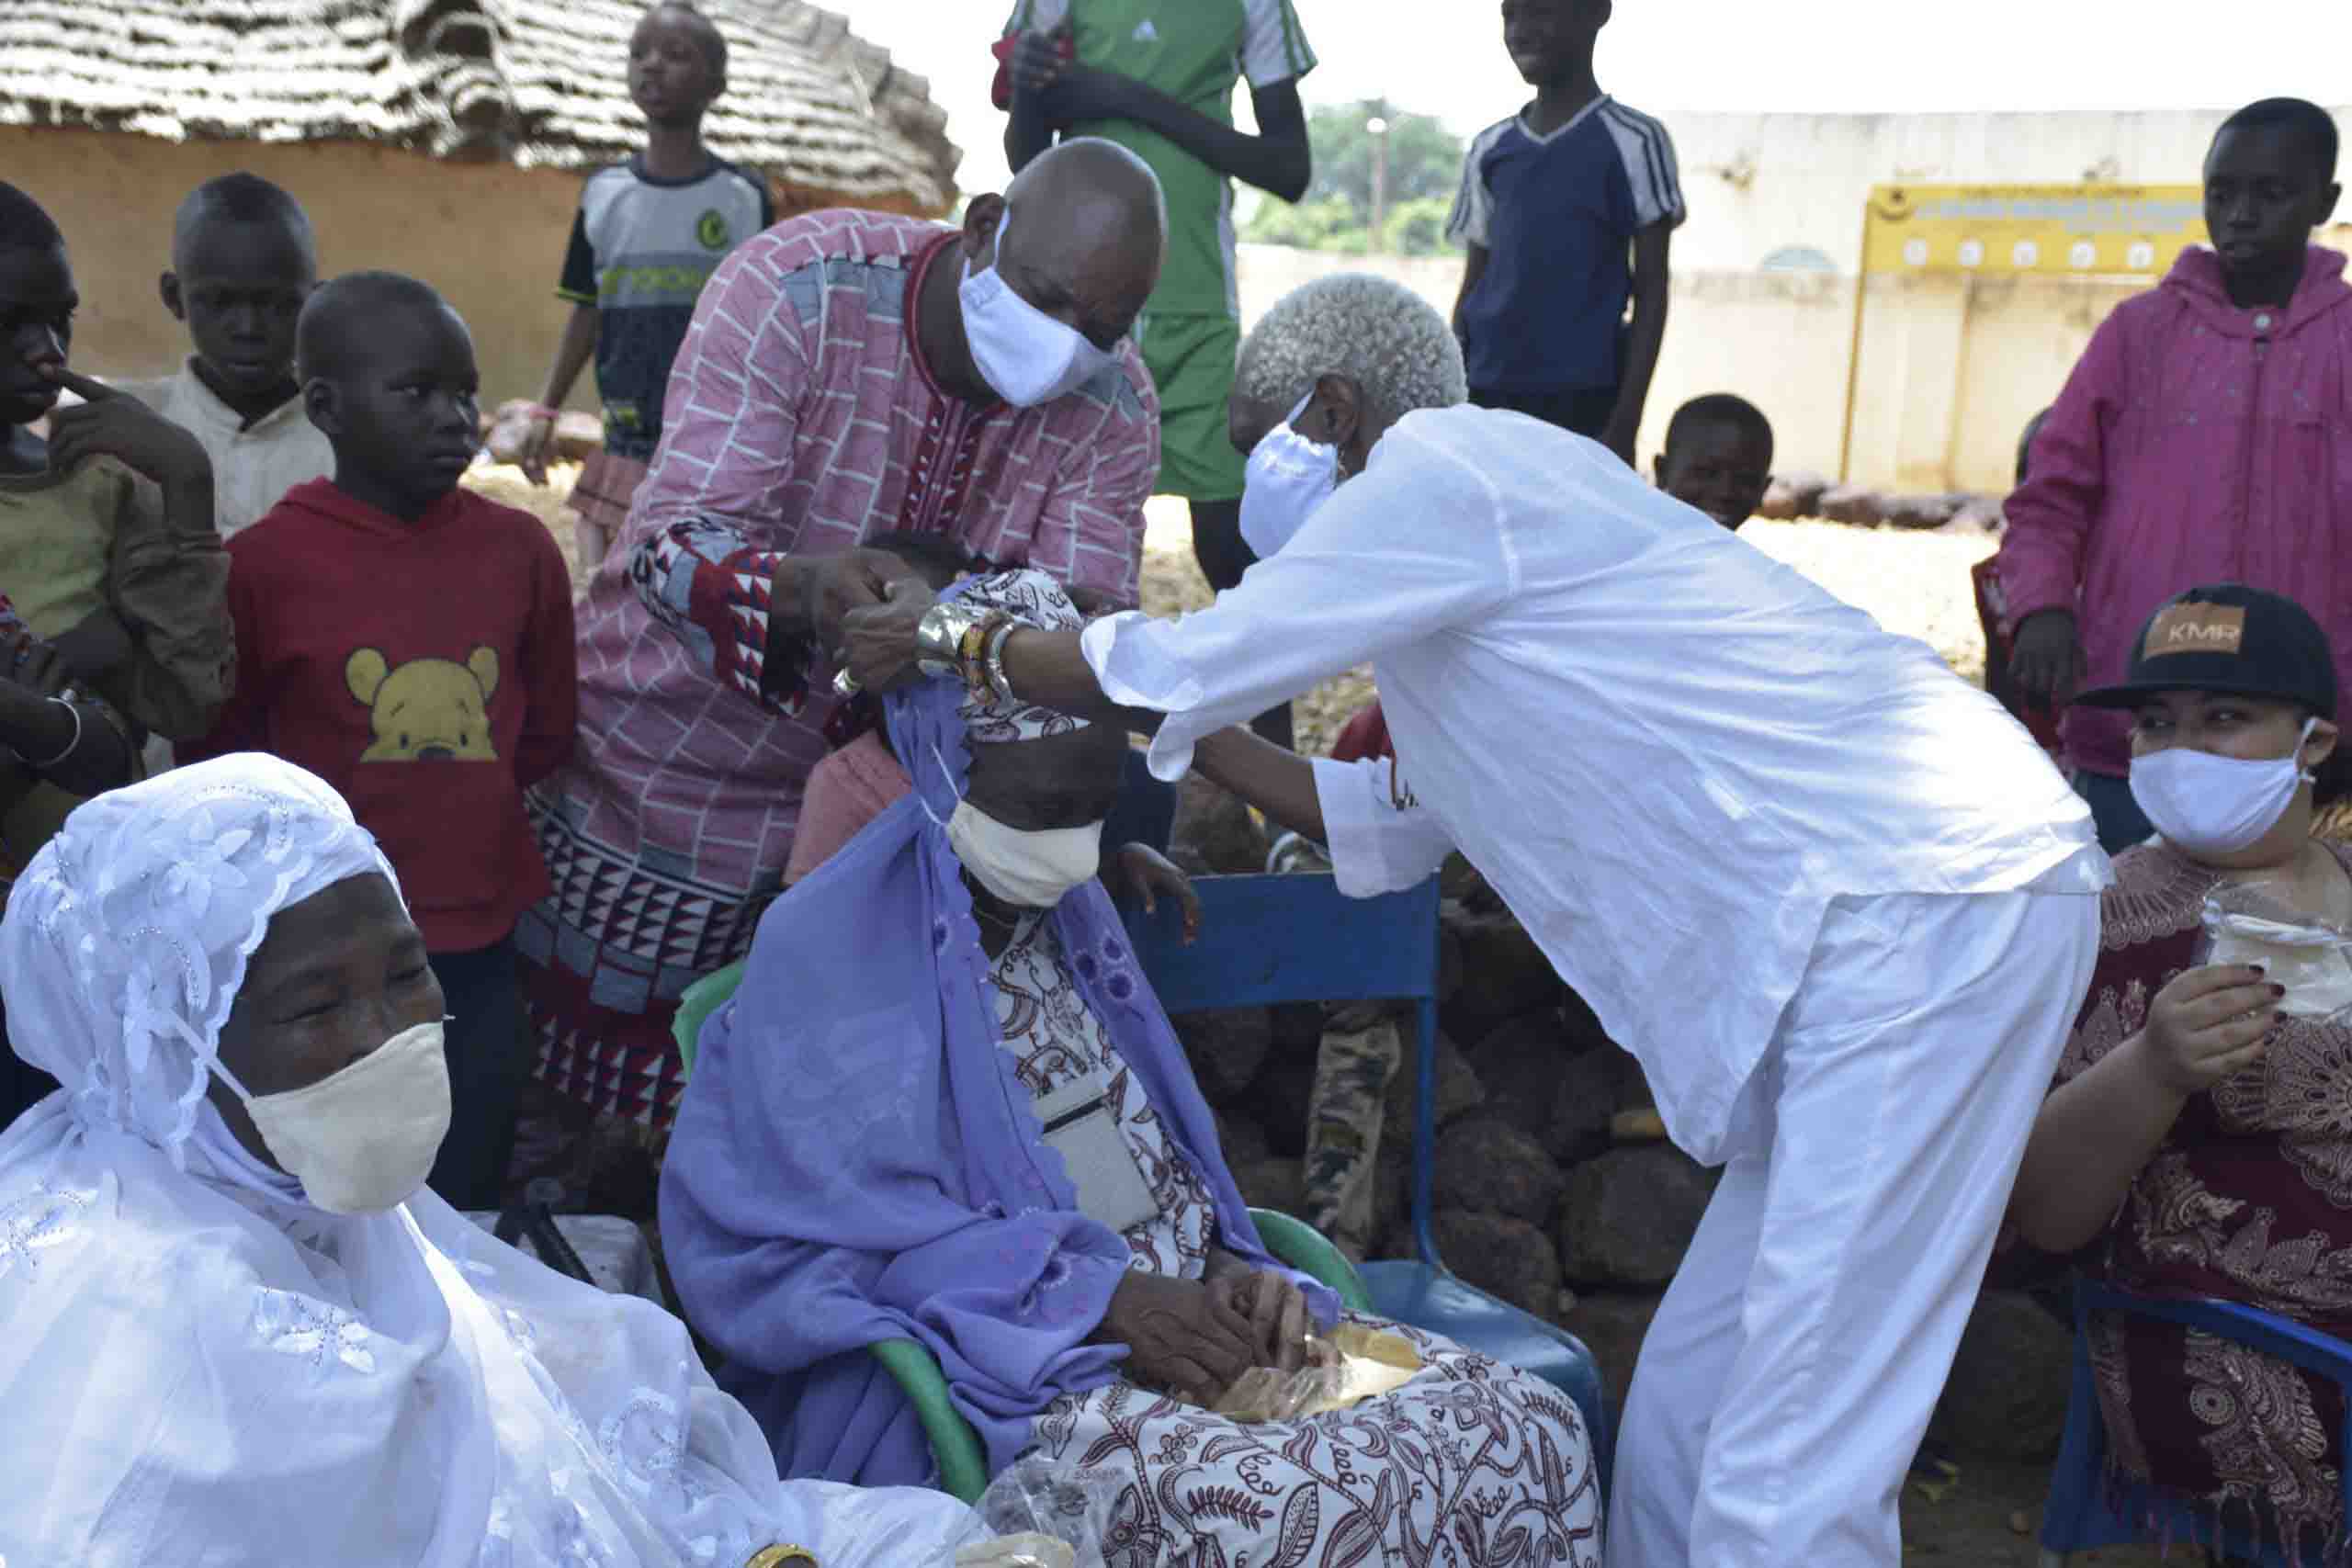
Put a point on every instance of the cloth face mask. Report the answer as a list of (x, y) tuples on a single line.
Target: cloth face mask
[(1026, 356), (1034, 870), (362, 1140), (1287, 478), (2209, 805)]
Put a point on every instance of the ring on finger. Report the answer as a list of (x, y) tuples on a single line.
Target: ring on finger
[(846, 685)]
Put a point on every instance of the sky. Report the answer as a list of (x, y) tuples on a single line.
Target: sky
[(1819, 56)]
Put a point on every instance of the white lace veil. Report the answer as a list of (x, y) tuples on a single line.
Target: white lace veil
[(127, 937)]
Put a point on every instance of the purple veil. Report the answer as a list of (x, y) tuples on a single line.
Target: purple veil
[(854, 1159)]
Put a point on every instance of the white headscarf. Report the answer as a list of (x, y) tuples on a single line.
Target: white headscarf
[(127, 937), (198, 1365)]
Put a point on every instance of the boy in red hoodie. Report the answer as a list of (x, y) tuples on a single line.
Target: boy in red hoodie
[(410, 642), (2206, 436)]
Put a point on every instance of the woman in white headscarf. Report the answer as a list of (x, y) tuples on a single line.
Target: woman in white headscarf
[(236, 1328)]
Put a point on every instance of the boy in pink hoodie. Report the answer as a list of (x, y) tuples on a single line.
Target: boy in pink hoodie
[(2205, 436)]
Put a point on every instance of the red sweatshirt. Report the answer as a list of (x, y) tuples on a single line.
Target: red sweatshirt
[(425, 670)]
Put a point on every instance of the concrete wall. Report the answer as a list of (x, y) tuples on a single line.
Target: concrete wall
[(1757, 183), (489, 236), (1949, 373)]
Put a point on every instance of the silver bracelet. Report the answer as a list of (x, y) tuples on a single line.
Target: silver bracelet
[(70, 745), (939, 640), (994, 659)]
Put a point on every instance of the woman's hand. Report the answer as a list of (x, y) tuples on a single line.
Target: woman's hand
[(1275, 1309), (1182, 1336), (2207, 1024), (1146, 873), (878, 647)]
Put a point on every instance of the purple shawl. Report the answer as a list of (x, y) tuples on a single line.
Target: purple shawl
[(855, 1160)]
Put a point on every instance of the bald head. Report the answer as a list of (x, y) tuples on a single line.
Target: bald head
[(1079, 233), (346, 317), (1095, 194)]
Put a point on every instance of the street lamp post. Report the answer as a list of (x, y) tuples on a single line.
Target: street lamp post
[(1379, 129)]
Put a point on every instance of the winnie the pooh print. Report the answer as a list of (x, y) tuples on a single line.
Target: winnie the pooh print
[(428, 710)]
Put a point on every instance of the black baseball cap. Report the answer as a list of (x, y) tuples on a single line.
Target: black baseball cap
[(2228, 637)]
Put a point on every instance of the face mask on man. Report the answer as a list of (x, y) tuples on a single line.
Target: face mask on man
[(2209, 805), (362, 1140), (1028, 358), (1288, 478), (1032, 869)]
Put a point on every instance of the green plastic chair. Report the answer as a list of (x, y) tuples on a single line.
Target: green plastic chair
[(698, 1002), (963, 1465)]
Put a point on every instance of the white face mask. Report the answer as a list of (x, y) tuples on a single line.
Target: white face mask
[(2209, 805), (361, 1140), (1287, 478), (1026, 356), (1035, 870)]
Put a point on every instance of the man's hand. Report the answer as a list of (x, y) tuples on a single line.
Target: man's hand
[(1039, 58), (1146, 873), (531, 452), (820, 594), (1079, 94), (2207, 1024), (106, 424), (1275, 1310), (2048, 663), (877, 643), (1182, 1336)]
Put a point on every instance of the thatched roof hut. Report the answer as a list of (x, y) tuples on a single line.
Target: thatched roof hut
[(442, 138), (536, 83)]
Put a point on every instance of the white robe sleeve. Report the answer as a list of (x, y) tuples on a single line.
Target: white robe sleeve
[(1415, 547), (1377, 846)]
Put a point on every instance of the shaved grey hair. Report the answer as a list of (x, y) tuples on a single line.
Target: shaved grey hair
[(1379, 334)]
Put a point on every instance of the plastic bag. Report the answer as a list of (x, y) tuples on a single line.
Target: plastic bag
[(1033, 1507), (1354, 1364), (2311, 958)]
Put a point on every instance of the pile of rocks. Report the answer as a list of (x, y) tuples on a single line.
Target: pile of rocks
[(1553, 1186), (1809, 495)]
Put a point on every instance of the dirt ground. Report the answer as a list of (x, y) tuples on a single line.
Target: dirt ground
[(1916, 584)]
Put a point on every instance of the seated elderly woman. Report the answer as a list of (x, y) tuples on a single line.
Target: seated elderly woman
[(2196, 1142), (234, 1328), (944, 1105)]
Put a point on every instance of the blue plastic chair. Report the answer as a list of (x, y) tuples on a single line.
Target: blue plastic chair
[(2078, 1515), (1266, 940)]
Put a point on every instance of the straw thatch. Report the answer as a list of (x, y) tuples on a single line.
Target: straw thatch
[(539, 82)]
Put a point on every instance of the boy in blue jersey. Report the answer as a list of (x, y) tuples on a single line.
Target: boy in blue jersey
[(1566, 210), (649, 235)]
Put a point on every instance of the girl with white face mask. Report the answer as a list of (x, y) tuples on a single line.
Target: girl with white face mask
[(2195, 1114)]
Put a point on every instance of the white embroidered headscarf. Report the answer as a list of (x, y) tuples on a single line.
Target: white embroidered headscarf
[(197, 1366), (127, 937), (1034, 600)]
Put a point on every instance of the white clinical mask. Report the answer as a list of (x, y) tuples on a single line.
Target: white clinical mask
[(1288, 478), (362, 1140), (1032, 869), (1026, 356), (2210, 805)]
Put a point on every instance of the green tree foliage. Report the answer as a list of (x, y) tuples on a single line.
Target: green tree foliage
[(1424, 170)]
